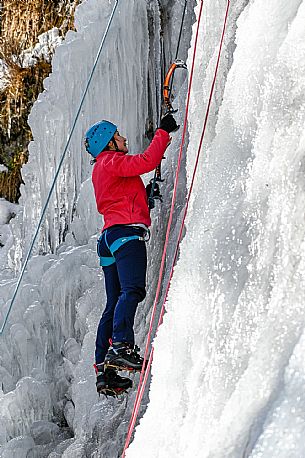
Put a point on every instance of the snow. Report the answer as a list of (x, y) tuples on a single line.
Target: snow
[(228, 370), (3, 74), (44, 49), (8, 211)]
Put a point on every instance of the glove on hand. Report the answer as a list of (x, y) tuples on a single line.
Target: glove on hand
[(168, 123)]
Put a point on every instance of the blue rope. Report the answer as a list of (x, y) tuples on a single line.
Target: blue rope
[(58, 170)]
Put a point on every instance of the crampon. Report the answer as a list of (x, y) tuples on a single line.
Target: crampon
[(112, 392), (122, 367)]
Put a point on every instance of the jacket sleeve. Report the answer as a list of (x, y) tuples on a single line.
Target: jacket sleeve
[(133, 165)]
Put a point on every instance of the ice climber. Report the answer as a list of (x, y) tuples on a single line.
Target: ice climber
[(122, 200)]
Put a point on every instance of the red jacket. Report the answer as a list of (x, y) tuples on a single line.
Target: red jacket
[(119, 191)]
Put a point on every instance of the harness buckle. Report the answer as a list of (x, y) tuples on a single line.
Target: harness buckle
[(146, 236)]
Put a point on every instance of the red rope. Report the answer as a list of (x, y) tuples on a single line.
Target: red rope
[(136, 405), (154, 309), (145, 372), (195, 167)]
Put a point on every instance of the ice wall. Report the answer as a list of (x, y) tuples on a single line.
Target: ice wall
[(61, 288), (228, 371), (48, 402), (117, 93)]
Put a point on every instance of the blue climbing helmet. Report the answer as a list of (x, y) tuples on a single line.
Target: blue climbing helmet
[(98, 137)]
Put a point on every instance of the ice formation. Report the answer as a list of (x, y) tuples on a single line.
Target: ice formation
[(47, 43), (228, 370)]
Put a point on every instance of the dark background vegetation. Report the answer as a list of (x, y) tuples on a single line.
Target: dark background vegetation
[(21, 22)]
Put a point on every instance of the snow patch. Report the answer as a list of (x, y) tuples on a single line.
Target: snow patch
[(7, 211), (4, 78), (44, 49)]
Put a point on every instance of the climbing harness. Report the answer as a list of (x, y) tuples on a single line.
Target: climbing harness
[(145, 371), (108, 260), (59, 167)]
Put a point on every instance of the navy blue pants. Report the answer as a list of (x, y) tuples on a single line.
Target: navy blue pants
[(125, 283)]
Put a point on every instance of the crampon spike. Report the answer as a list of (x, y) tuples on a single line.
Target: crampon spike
[(112, 392)]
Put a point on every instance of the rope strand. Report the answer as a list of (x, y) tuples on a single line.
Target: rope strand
[(148, 340), (180, 32), (57, 171), (143, 380), (158, 169)]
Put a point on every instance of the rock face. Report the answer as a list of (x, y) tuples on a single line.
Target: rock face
[(27, 44)]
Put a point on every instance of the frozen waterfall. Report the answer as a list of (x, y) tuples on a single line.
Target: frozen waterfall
[(228, 370)]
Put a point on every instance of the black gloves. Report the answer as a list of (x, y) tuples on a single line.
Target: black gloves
[(168, 123)]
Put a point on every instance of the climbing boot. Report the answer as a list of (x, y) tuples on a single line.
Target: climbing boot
[(123, 356), (109, 383)]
